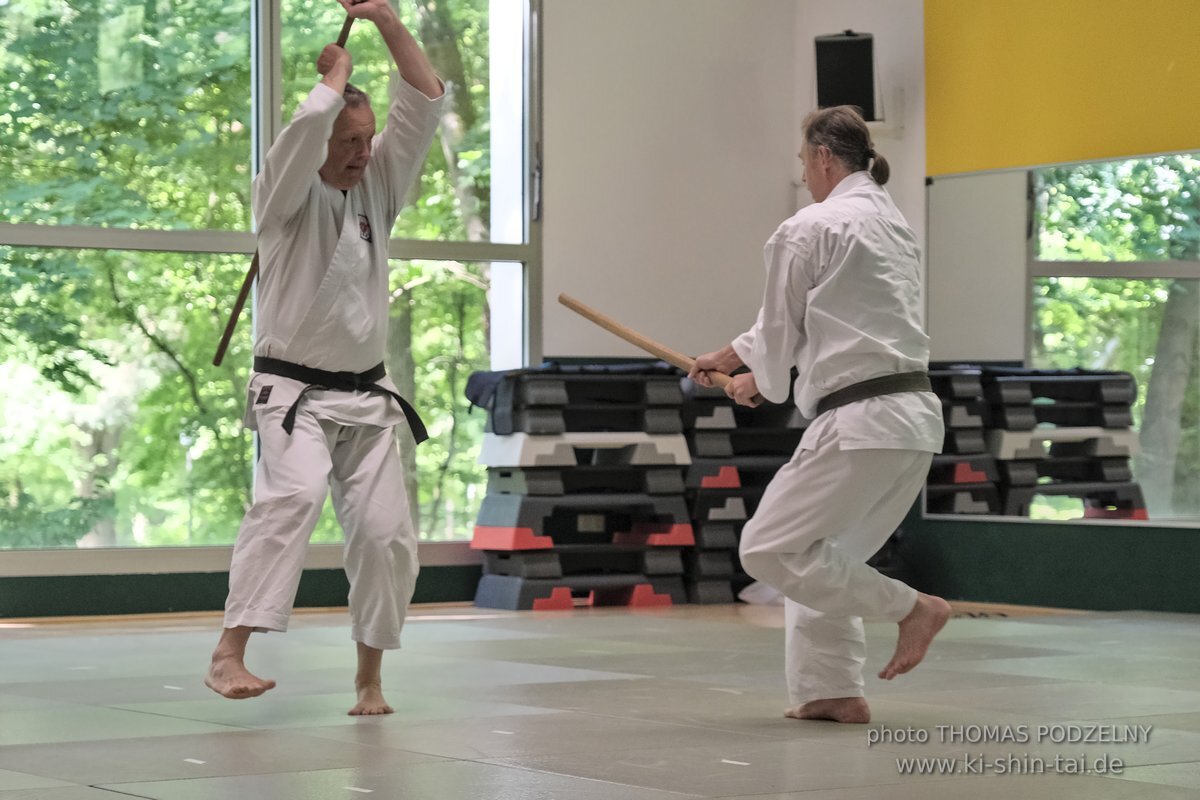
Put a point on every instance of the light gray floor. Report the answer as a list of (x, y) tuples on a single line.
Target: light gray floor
[(594, 704)]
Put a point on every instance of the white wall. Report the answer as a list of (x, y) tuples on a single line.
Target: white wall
[(671, 130), (669, 142), (977, 258), (898, 29)]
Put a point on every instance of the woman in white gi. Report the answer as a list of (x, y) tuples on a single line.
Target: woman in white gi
[(325, 202), (842, 305)]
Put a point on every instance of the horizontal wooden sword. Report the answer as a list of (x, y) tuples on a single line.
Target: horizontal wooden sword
[(639, 341), (252, 273)]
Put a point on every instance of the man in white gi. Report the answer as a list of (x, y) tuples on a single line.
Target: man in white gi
[(325, 202), (842, 305)]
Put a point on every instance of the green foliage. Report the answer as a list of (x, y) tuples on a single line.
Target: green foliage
[(24, 522), (448, 303), (118, 430), (1141, 210)]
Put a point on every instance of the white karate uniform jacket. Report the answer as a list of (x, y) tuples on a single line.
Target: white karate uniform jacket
[(843, 305), (323, 274)]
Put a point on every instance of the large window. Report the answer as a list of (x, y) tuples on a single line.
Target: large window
[(128, 141), (1116, 285), (126, 115)]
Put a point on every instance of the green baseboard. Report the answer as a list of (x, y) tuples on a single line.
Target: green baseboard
[(94, 595), (1083, 566)]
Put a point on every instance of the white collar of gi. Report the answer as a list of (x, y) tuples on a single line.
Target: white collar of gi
[(850, 182)]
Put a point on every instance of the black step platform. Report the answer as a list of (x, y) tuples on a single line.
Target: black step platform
[(964, 441), (535, 511), (957, 384), (1100, 500), (710, 563), (590, 419), (521, 399), (608, 559), (718, 535), (709, 592), (749, 442), (965, 414), (1063, 414), (1066, 469), (963, 469), (725, 505), (585, 479), (982, 499), (733, 473), (1013, 386)]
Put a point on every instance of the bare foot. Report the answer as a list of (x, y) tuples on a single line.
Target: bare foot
[(839, 709), (229, 677), (370, 701), (916, 633)]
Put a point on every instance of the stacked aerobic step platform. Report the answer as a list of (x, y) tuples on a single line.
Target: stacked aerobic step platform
[(963, 479), (585, 502), (1049, 433), (735, 452)]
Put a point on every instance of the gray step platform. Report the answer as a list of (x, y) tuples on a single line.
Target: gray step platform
[(571, 449)]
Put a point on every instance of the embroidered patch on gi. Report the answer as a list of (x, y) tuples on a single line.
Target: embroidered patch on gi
[(364, 227), (264, 395)]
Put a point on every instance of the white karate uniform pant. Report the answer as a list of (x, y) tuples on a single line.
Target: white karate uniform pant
[(361, 463), (822, 516)]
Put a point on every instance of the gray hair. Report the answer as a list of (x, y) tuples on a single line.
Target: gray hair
[(355, 96), (843, 131)]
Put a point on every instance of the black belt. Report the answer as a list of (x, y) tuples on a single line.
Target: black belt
[(337, 381), (875, 387)]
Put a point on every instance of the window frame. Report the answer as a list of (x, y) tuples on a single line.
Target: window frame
[(1036, 268), (266, 113)]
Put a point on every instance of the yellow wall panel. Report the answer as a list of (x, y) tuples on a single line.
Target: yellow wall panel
[(1015, 83)]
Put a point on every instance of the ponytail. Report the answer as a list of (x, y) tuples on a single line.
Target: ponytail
[(880, 170)]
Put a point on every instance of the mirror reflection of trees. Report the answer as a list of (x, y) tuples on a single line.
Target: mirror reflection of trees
[(115, 429), (1143, 210)]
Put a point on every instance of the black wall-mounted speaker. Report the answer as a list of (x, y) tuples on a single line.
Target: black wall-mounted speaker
[(846, 71)]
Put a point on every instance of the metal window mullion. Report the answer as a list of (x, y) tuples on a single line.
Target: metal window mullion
[(80, 237), (535, 183), (1134, 270), (267, 79), (418, 249)]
